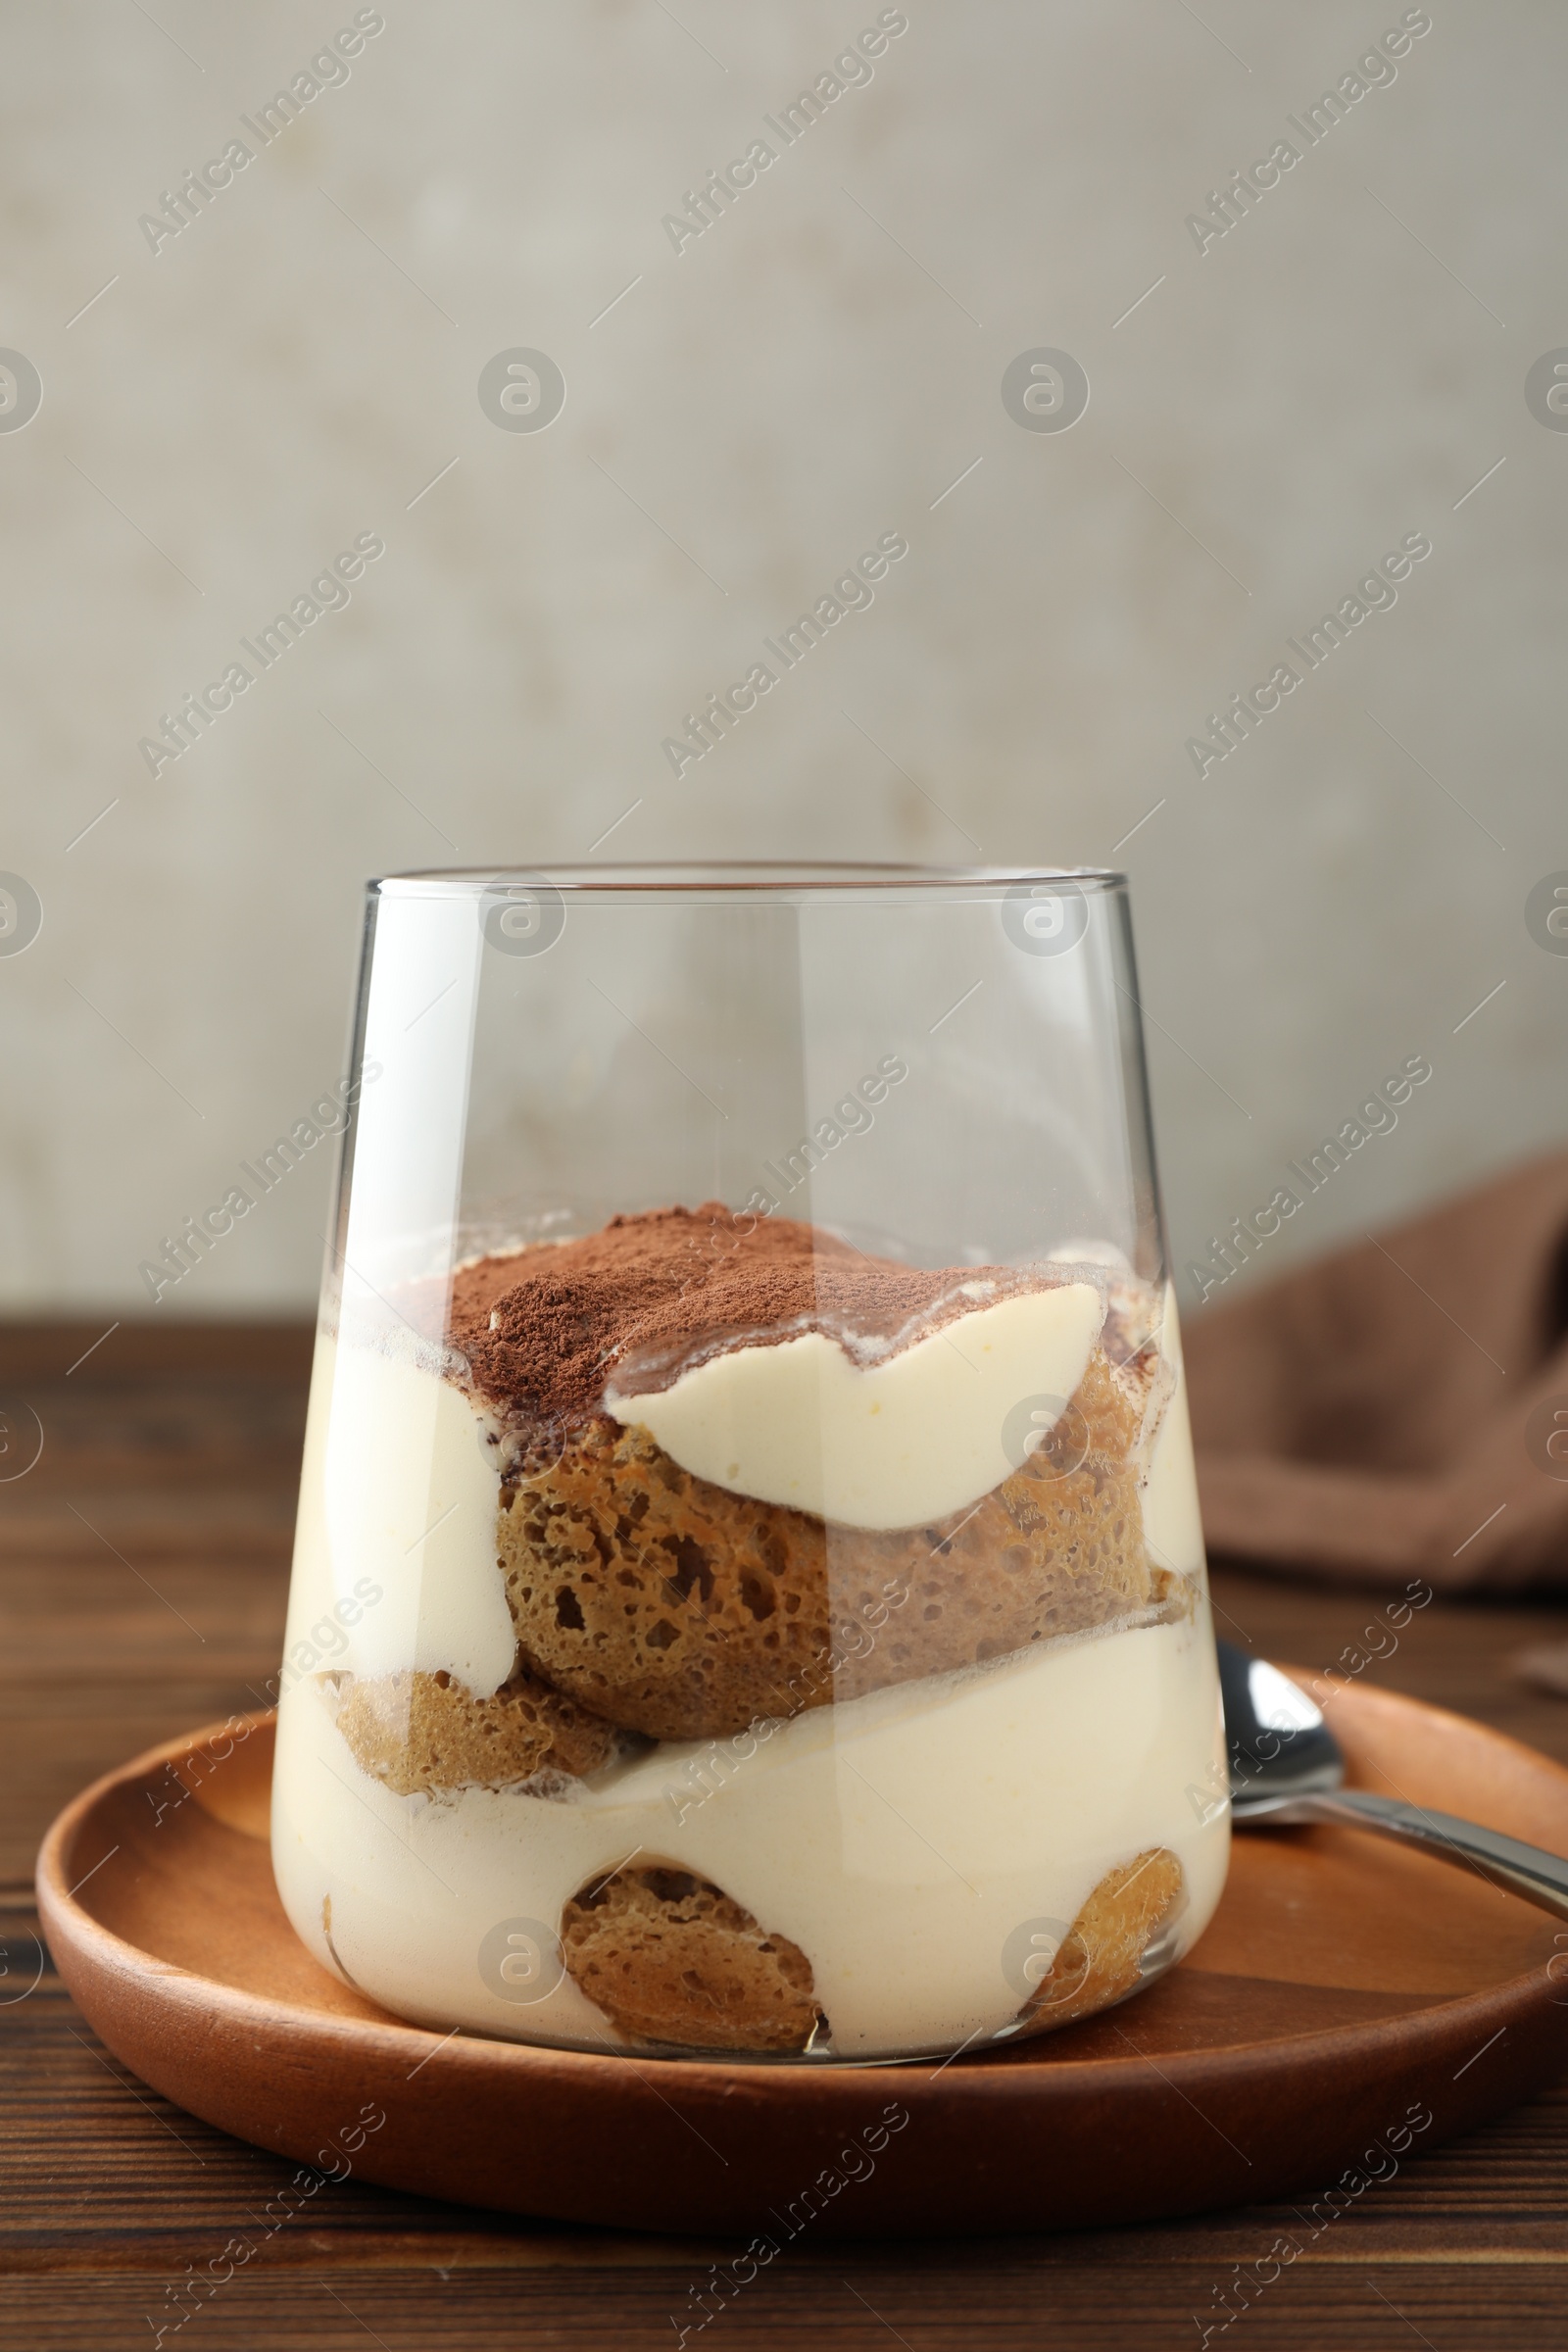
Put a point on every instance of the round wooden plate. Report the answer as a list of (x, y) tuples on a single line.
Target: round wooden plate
[(1347, 1989)]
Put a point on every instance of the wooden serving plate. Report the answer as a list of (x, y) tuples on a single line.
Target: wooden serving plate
[(1346, 1988)]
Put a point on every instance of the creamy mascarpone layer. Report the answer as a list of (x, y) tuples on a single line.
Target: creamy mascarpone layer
[(896, 1444), (395, 1548), (901, 1839), (1173, 1528)]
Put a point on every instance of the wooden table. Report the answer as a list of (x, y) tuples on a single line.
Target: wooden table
[(143, 1575)]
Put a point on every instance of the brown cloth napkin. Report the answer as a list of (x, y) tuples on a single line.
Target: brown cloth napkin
[(1393, 1410)]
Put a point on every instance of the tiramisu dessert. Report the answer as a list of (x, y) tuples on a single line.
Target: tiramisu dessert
[(707, 1636)]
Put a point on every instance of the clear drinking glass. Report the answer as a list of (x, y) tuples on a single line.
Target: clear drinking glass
[(749, 1594)]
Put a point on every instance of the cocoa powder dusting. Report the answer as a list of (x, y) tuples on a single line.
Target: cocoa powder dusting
[(545, 1328)]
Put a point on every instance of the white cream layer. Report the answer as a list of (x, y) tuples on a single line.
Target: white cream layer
[(395, 1546), (896, 1445), (911, 1843), (1173, 1529)]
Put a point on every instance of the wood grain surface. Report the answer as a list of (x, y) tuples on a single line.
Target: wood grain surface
[(143, 1573)]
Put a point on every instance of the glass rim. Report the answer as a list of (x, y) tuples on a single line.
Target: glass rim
[(797, 876)]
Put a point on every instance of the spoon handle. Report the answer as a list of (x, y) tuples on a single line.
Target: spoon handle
[(1526, 1869)]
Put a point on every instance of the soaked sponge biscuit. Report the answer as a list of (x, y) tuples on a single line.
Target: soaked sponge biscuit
[(669, 1957), (1101, 1958), (674, 1607), (424, 1731)]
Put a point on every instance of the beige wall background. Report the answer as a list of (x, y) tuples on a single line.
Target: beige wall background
[(1267, 417)]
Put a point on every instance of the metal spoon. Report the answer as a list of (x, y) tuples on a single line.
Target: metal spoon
[(1286, 1766)]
